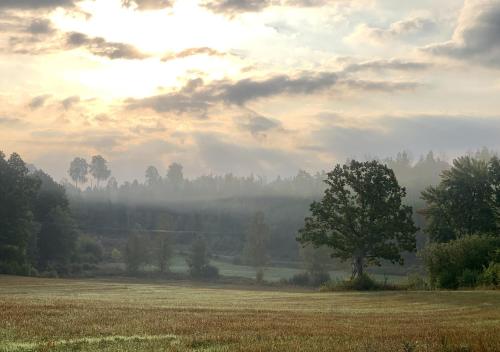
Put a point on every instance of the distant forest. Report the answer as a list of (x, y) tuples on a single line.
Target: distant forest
[(89, 215), (222, 206)]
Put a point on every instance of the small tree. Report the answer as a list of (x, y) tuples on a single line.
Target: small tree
[(164, 252), (136, 253), (78, 170), (316, 261), (198, 260), (255, 251), (152, 176), (175, 176), (361, 216)]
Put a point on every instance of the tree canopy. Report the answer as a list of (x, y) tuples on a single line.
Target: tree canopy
[(466, 200), (361, 216)]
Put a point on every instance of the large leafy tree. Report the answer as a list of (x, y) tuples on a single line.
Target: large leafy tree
[(58, 232), (361, 217), (464, 203), (17, 190)]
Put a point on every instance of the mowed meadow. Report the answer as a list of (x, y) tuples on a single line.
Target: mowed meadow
[(132, 315)]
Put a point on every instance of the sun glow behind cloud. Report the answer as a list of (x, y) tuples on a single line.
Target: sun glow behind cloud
[(279, 86)]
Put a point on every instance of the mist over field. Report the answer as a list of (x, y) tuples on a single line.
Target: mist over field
[(249, 175)]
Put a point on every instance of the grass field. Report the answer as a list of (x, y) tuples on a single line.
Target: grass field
[(125, 315), (271, 273)]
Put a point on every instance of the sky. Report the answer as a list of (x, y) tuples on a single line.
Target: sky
[(257, 86)]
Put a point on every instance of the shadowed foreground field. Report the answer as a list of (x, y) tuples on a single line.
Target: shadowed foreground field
[(94, 315)]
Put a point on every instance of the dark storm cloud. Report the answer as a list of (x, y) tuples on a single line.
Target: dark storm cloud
[(192, 52), (148, 4), (477, 36), (196, 97), (39, 101), (417, 133), (100, 47)]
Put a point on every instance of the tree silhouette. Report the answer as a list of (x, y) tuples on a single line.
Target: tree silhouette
[(175, 176), (78, 170), (152, 176), (99, 169), (464, 202), (255, 250), (361, 216)]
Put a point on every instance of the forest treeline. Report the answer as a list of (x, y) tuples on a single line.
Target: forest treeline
[(47, 227)]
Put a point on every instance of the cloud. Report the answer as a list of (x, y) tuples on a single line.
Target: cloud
[(385, 134), (379, 86), (55, 41), (148, 4), (40, 26), (70, 101), (381, 65), (400, 29), (192, 52), (34, 4), (256, 124), (197, 97), (39, 101), (232, 8), (477, 36), (100, 47), (7, 122)]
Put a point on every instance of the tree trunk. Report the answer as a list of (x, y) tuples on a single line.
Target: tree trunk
[(357, 267)]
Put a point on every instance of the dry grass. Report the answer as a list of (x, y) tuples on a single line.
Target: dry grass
[(93, 315)]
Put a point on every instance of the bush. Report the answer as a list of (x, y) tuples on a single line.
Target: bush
[(259, 275), (116, 255), (469, 278), (89, 250), (461, 261), (417, 282), (14, 268), (208, 272), (490, 275), (300, 279), (362, 283), (309, 279), (319, 278)]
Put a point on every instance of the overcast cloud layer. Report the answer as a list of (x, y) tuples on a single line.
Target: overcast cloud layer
[(262, 86)]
